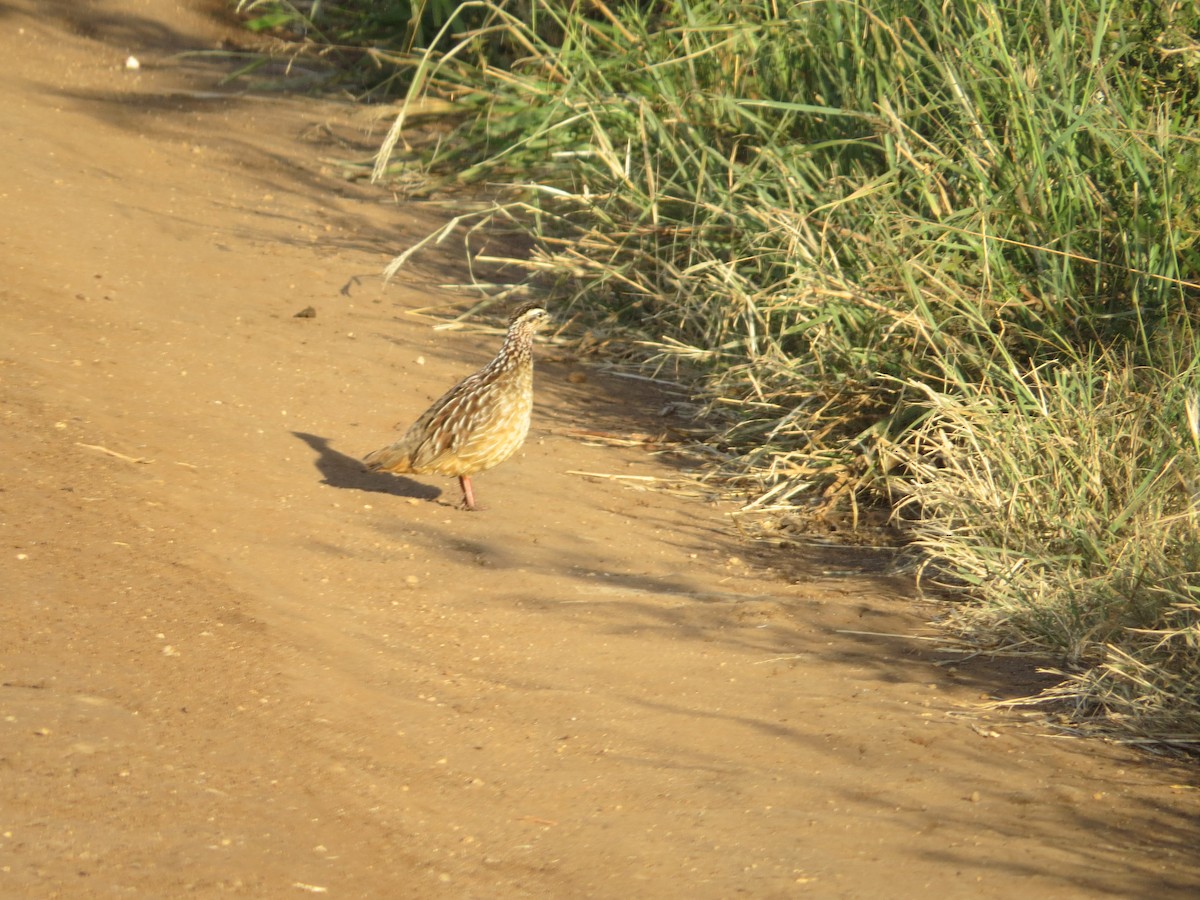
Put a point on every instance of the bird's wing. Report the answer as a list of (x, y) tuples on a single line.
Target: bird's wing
[(447, 423)]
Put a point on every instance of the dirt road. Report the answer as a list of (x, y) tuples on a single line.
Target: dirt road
[(233, 662)]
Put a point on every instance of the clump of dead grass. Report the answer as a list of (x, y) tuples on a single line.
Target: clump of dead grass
[(1064, 500)]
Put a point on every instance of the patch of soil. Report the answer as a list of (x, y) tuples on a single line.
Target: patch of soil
[(231, 661)]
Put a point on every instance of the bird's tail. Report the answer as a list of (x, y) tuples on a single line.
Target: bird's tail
[(392, 458)]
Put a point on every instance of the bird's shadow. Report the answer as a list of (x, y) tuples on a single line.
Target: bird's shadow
[(342, 471)]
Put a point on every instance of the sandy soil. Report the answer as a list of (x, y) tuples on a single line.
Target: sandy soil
[(233, 662)]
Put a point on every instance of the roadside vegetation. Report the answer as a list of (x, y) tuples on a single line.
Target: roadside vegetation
[(940, 258)]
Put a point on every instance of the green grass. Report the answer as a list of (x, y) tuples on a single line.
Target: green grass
[(366, 39), (939, 255)]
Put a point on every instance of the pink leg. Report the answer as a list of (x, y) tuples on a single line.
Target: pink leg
[(468, 495)]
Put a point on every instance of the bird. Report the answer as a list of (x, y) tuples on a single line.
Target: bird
[(478, 423)]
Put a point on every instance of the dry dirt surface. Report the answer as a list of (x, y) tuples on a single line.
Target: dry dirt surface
[(232, 662)]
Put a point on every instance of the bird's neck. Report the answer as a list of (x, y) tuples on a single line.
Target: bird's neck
[(518, 347)]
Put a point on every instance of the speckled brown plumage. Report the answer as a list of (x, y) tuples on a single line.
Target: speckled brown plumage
[(478, 423)]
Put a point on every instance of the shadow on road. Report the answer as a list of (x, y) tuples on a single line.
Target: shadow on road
[(342, 471)]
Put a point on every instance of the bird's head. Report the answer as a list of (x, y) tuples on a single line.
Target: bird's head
[(529, 317)]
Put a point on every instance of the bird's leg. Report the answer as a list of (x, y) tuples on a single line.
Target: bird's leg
[(468, 495)]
